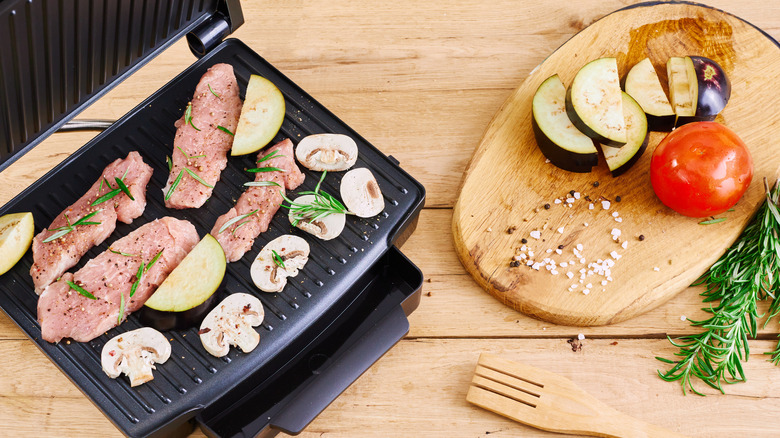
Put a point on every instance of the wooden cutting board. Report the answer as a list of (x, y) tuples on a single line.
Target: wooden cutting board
[(508, 182)]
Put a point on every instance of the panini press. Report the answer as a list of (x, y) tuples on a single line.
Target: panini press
[(346, 309)]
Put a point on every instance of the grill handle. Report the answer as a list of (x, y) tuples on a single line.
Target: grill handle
[(340, 370)]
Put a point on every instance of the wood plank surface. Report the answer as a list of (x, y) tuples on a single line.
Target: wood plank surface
[(421, 81)]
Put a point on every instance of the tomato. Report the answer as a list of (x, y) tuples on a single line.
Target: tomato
[(701, 169)]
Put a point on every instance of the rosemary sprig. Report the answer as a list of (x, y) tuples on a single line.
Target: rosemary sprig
[(713, 221), (188, 116), (121, 309), (176, 182), (153, 261), (121, 253), (189, 157), (212, 91), (223, 129), (124, 188), (268, 156), (61, 231), (80, 290), (262, 184), (264, 169), (745, 274), (138, 276), (227, 224), (321, 206), (278, 260), (169, 163)]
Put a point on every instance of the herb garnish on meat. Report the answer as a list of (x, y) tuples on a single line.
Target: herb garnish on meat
[(262, 184), (176, 182), (61, 231), (80, 290), (236, 219), (212, 91), (748, 272), (223, 129), (188, 116)]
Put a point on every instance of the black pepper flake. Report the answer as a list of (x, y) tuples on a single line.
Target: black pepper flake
[(641, 237), (514, 263), (596, 184), (618, 199), (511, 230), (571, 192), (523, 240), (546, 206), (560, 246)]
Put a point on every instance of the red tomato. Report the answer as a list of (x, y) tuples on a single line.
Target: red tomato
[(701, 169)]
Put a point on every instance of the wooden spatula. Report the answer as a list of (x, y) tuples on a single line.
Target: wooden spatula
[(549, 402)]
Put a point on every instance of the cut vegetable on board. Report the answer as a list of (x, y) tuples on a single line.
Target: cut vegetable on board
[(698, 88), (619, 160), (558, 139), (643, 85), (594, 102)]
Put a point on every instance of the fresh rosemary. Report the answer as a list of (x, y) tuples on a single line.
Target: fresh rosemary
[(268, 156), (121, 187), (746, 273), (138, 276), (234, 220), (61, 231), (264, 169), (223, 129), (212, 91), (188, 116), (80, 290), (262, 184), (176, 182), (153, 261), (169, 162), (121, 253), (189, 157), (321, 206), (121, 309), (278, 260)]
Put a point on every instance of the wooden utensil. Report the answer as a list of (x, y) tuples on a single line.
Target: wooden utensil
[(547, 401), (508, 183)]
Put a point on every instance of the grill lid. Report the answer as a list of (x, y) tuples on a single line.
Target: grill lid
[(57, 58)]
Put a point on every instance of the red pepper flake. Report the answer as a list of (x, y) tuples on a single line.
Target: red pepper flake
[(112, 353), (247, 307), (204, 331)]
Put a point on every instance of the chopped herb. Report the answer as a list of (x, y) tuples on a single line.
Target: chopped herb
[(272, 154), (188, 116), (138, 276), (174, 185), (223, 129), (61, 231), (121, 253), (712, 221), (106, 197), (278, 260), (264, 169), (80, 290), (154, 260), (189, 157), (261, 184), (239, 226), (322, 205), (197, 178), (235, 219), (100, 187), (169, 162), (121, 310), (212, 91), (124, 188)]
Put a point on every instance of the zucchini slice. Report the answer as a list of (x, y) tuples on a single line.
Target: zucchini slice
[(621, 159), (594, 103), (643, 85), (557, 138)]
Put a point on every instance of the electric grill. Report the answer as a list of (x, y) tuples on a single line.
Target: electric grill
[(345, 310)]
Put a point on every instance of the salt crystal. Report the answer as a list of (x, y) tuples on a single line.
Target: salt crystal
[(590, 207), (569, 200), (618, 219), (603, 282), (557, 201), (656, 269), (589, 285), (683, 318), (576, 195), (547, 161), (536, 234), (564, 264), (615, 255), (585, 224), (558, 251), (605, 205), (554, 272), (615, 214), (579, 247), (624, 244), (548, 251), (570, 274), (586, 291), (580, 336), (615, 232), (560, 230)]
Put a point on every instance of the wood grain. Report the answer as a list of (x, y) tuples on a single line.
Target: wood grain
[(508, 182), (421, 80)]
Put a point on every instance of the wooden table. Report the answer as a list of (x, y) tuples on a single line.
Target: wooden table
[(421, 80)]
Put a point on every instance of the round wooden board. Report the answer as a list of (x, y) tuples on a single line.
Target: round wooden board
[(508, 181)]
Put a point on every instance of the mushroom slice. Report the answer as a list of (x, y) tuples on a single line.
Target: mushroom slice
[(360, 193), (279, 259), (134, 353), (326, 228), (230, 323), (331, 152)]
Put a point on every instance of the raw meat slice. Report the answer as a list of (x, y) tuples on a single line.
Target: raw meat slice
[(237, 239), (51, 259), (200, 145), (64, 312)]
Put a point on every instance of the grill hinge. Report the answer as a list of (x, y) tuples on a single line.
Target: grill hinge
[(208, 35)]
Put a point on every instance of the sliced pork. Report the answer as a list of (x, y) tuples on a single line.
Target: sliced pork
[(52, 258), (200, 146), (66, 312), (238, 238)]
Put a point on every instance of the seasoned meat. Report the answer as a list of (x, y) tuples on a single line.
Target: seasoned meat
[(64, 312), (200, 145), (237, 239), (51, 259)]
